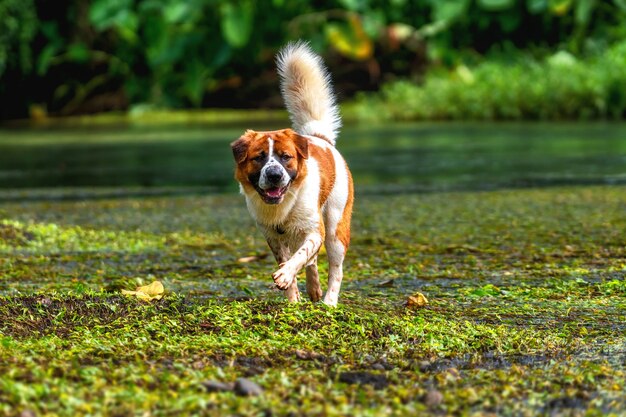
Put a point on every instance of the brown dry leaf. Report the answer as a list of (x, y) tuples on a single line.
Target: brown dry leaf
[(417, 300), (153, 291), (247, 259), (253, 258)]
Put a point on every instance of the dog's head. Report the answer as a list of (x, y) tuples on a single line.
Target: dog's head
[(270, 162)]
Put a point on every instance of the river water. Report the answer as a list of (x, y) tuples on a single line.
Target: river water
[(391, 158)]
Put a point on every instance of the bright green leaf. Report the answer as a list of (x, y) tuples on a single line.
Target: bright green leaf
[(354, 5), (560, 7), (449, 10), (236, 22), (45, 58), (496, 5), (78, 52), (584, 10), (176, 12), (537, 6), (193, 86), (105, 14)]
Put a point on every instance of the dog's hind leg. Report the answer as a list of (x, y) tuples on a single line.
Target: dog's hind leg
[(313, 288), (337, 241), (336, 254)]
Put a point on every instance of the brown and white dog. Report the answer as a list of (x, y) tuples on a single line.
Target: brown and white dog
[(297, 186)]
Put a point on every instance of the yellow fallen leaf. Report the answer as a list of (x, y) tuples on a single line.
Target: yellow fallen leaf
[(153, 291), (417, 300)]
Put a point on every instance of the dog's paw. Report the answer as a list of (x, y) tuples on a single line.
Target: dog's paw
[(330, 300), (283, 278)]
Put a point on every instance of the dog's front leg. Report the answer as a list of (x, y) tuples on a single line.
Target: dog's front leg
[(286, 275), (281, 254), (279, 248)]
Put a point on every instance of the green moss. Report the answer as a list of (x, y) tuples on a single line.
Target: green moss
[(526, 308)]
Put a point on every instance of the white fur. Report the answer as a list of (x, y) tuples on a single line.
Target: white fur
[(307, 92), (271, 161)]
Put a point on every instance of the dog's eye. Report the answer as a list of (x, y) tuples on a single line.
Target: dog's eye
[(259, 158), (285, 157)]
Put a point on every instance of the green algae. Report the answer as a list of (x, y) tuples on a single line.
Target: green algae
[(526, 315)]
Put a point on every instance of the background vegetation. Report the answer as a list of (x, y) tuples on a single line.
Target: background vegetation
[(81, 56)]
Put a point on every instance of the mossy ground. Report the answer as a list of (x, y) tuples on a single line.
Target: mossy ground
[(527, 312)]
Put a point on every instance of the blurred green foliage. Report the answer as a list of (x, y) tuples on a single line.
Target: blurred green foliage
[(557, 88), (77, 56), (17, 29)]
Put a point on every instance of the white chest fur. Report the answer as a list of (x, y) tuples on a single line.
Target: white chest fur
[(299, 210)]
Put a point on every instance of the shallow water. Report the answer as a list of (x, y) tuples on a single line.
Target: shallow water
[(384, 159)]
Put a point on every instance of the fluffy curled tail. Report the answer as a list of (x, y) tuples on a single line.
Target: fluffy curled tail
[(307, 92)]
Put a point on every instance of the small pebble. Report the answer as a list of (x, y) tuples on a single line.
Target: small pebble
[(424, 366), (433, 398), (253, 371), (246, 388), (378, 381), (307, 355), (217, 386)]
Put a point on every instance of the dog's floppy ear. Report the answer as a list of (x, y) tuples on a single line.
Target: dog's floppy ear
[(302, 145), (240, 148)]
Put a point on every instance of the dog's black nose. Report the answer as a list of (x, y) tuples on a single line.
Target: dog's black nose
[(274, 174)]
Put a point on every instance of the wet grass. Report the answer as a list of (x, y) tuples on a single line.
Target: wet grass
[(527, 312)]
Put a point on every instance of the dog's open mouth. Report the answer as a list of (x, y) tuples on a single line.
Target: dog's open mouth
[(273, 195)]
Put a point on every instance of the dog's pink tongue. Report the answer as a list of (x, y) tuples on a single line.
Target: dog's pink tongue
[(273, 192)]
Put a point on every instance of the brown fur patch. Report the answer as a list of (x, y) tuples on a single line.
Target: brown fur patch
[(326, 163), (343, 228)]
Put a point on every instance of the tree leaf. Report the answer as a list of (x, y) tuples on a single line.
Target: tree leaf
[(78, 52), (45, 58), (176, 12), (496, 5), (621, 4), (350, 39), (537, 6), (115, 14), (105, 14), (195, 81), (354, 5), (236, 22), (560, 7), (449, 10), (584, 10)]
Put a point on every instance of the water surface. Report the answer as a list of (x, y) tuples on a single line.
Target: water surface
[(384, 158)]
